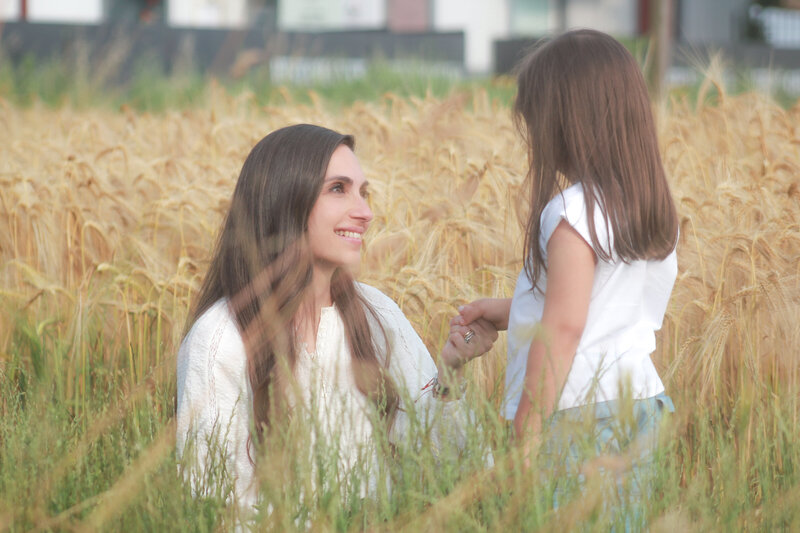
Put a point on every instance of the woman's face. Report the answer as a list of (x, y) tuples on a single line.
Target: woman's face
[(341, 215)]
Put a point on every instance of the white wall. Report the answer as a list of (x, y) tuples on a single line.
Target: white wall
[(71, 12), (781, 26), (711, 21), (309, 15), (530, 18), (207, 13), (616, 17), (481, 20), (9, 9)]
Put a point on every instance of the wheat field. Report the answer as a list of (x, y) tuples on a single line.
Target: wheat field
[(108, 218)]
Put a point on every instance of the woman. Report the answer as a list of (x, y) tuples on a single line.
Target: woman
[(281, 328)]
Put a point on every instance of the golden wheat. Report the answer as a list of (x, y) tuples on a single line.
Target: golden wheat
[(119, 211), (114, 214)]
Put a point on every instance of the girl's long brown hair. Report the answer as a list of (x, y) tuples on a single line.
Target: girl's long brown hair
[(582, 106), (262, 265)]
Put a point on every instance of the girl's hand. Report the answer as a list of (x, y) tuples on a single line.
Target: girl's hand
[(527, 435), (467, 342), (528, 447), (494, 310)]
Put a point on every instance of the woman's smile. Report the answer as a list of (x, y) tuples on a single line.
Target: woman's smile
[(350, 235), (341, 214)]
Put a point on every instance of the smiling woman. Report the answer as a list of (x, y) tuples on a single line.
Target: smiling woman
[(339, 218), (282, 331)]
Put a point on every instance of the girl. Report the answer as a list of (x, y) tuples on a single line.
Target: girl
[(599, 254), (280, 326)]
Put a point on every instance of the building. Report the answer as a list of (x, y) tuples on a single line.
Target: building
[(482, 24)]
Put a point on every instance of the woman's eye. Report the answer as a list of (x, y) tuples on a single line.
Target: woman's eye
[(337, 187), (365, 194)]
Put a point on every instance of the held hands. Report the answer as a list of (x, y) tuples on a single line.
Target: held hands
[(467, 342), (487, 316), (474, 330), (495, 310)]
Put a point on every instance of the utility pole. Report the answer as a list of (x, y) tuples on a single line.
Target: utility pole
[(661, 18), (561, 15)]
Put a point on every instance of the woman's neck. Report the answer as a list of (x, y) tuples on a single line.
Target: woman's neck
[(320, 288), (318, 295)]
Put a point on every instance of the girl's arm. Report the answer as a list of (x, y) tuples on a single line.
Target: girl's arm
[(570, 274), (495, 310)]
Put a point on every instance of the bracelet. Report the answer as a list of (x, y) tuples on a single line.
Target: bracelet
[(443, 391)]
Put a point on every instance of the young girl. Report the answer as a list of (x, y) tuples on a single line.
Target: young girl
[(280, 329), (599, 255)]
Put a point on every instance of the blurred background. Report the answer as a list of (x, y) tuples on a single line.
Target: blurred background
[(302, 42), (123, 126)]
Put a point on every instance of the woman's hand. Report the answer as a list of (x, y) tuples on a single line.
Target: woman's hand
[(495, 310), (468, 342)]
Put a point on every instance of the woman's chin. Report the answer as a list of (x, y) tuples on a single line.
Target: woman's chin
[(353, 268)]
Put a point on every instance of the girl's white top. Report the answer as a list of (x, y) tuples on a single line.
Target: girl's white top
[(215, 399), (627, 306)]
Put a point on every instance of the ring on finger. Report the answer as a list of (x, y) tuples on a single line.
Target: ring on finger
[(468, 336)]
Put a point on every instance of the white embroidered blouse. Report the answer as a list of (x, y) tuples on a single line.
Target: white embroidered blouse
[(215, 399)]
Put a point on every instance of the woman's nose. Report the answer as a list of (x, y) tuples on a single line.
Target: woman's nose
[(362, 210)]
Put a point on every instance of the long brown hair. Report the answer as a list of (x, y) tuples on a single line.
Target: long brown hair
[(582, 106), (262, 265)]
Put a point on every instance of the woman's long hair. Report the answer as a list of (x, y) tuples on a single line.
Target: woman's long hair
[(583, 108), (262, 265)]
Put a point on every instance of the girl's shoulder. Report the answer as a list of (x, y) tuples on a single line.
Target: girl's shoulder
[(570, 201), (570, 205)]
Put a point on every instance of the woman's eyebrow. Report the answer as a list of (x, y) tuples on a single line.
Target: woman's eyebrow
[(346, 179)]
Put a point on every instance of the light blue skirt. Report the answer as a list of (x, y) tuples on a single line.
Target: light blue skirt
[(608, 445)]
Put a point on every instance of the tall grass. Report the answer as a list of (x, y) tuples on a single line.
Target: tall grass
[(79, 80), (108, 218)]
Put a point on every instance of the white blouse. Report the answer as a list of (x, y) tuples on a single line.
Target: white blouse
[(215, 400), (627, 307)]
